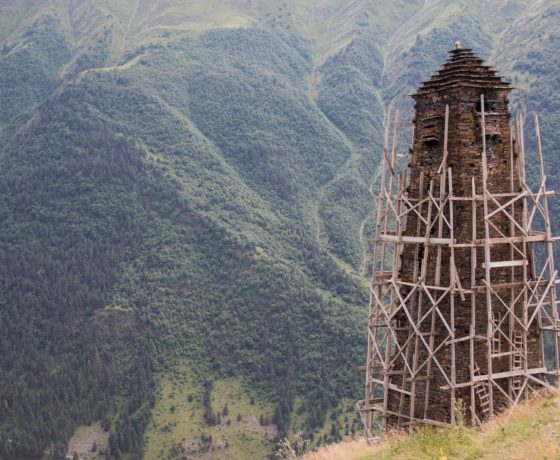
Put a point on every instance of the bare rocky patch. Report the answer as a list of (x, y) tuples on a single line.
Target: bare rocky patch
[(88, 442)]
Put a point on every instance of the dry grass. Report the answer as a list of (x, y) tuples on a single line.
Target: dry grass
[(530, 431), (353, 448), (346, 449)]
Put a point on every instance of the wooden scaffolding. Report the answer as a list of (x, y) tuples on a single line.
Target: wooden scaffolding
[(404, 357)]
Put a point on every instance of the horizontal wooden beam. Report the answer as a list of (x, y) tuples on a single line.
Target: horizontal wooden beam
[(399, 196), (467, 337), (503, 286), (514, 239), (497, 195), (504, 375), (414, 239), (502, 354), (506, 263), (497, 376)]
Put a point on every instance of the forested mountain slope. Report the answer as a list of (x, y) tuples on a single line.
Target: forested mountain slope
[(185, 207)]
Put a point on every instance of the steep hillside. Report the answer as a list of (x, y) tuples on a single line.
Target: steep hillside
[(529, 431), (185, 208), (150, 198)]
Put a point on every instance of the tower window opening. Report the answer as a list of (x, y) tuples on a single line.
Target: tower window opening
[(431, 141), (489, 106), (431, 130)]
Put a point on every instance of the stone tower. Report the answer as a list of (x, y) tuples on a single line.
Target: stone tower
[(460, 309)]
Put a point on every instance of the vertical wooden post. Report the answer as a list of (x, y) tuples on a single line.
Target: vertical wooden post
[(525, 249), (373, 316), (418, 303), (487, 259), (472, 329), (390, 205), (549, 244), (437, 276), (511, 322), (391, 177), (453, 281)]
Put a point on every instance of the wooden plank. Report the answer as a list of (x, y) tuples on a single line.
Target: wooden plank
[(415, 239), (502, 354), (506, 263), (414, 285), (467, 337), (535, 237)]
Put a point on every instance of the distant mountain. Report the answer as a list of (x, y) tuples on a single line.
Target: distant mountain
[(185, 207)]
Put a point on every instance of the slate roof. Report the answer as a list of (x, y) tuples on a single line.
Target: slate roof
[(463, 69)]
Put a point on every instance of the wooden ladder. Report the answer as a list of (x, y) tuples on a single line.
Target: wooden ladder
[(517, 363), (481, 390)]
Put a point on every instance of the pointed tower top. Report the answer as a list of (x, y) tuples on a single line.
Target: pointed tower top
[(463, 69)]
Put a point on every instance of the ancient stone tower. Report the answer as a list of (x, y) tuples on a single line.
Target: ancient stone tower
[(463, 315)]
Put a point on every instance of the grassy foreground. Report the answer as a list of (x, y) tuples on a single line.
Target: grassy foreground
[(531, 430)]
